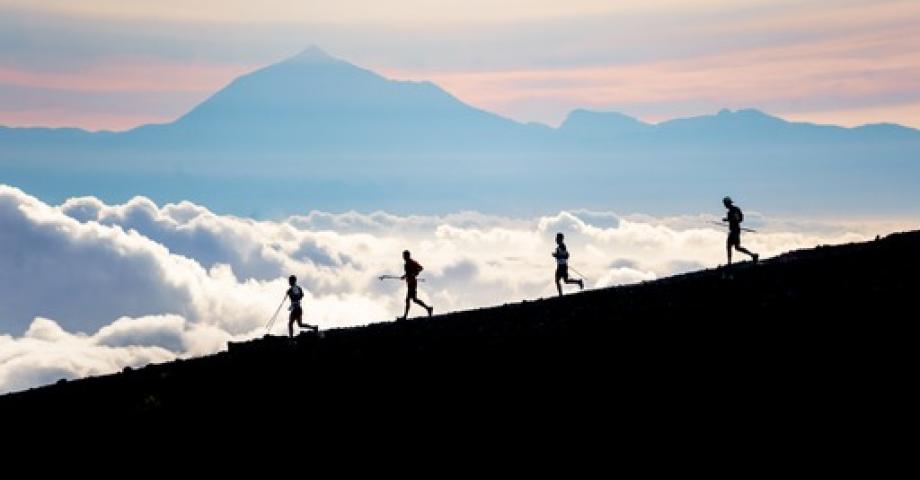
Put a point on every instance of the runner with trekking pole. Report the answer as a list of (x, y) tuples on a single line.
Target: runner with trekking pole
[(734, 217), (295, 293), (412, 269)]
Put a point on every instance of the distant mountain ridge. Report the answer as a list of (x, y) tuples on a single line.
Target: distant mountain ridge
[(314, 83), (314, 97), (351, 133)]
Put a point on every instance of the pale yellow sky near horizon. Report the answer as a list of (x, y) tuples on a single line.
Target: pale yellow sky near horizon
[(107, 64)]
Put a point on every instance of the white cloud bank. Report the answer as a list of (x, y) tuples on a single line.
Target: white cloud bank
[(88, 288)]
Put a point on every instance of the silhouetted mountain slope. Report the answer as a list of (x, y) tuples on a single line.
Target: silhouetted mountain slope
[(805, 334)]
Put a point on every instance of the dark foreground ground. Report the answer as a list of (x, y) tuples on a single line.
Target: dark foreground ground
[(811, 341)]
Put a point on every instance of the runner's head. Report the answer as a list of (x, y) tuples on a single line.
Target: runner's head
[(292, 280), (727, 201), (559, 237), (405, 254)]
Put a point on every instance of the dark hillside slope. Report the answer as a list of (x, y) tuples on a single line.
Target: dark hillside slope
[(805, 333)]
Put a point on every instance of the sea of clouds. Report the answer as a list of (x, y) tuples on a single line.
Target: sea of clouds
[(88, 288)]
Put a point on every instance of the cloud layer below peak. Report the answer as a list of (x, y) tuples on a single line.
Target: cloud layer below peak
[(88, 288)]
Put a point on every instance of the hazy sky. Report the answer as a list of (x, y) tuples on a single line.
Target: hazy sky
[(116, 64)]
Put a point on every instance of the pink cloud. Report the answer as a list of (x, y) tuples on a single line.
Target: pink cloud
[(130, 75), (904, 114), (872, 66), (153, 83)]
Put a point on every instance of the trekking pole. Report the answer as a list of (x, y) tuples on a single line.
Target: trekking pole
[(271, 321), (582, 275), (751, 230), (394, 277)]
